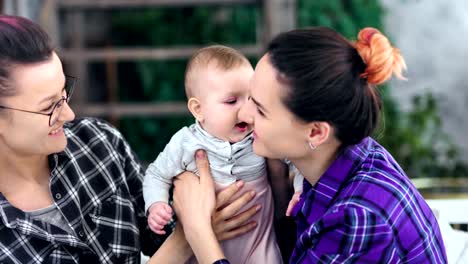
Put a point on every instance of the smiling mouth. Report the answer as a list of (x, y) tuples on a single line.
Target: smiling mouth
[(56, 131)]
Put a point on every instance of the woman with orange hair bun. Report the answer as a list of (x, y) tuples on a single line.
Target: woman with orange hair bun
[(314, 101)]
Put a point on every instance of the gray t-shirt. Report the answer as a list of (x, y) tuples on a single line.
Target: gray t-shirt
[(51, 215)]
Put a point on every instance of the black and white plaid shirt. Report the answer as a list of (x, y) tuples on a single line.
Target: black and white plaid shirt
[(97, 186)]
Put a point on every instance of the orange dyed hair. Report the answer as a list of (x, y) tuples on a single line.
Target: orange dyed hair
[(381, 58)]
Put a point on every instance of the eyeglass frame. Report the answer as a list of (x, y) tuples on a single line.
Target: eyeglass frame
[(57, 105)]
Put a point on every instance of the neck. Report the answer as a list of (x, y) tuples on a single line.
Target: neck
[(20, 169), (314, 165)]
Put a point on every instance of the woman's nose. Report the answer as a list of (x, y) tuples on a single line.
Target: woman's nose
[(67, 113)]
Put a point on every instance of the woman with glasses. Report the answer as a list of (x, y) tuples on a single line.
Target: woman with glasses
[(71, 190)]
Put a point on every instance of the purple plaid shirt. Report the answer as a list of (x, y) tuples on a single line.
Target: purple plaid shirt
[(364, 209)]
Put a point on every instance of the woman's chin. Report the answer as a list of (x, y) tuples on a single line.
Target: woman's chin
[(259, 149), (59, 146)]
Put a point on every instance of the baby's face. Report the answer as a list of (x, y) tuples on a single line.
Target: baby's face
[(222, 93)]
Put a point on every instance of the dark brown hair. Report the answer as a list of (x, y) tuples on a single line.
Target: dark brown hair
[(330, 81), (21, 42)]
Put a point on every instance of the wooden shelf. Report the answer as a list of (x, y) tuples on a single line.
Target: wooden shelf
[(132, 109), (108, 4), (144, 53)]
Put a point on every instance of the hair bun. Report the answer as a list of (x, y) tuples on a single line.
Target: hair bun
[(381, 58)]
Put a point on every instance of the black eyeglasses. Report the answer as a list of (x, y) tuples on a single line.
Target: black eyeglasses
[(58, 106)]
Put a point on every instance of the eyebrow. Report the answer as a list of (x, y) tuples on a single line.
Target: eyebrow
[(49, 98), (259, 104)]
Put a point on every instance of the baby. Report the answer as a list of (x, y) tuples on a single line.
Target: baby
[(217, 85)]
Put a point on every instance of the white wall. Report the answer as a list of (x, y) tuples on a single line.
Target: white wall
[(433, 37)]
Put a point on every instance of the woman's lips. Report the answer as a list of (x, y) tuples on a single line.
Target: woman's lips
[(56, 132)]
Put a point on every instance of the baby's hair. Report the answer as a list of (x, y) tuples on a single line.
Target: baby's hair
[(225, 58)]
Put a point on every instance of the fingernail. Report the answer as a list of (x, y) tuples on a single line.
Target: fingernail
[(254, 224), (200, 154), (258, 207), (239, 183), (252, 193)]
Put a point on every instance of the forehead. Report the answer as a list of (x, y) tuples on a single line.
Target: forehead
[(235, 80), (265, 85), (38, 78)]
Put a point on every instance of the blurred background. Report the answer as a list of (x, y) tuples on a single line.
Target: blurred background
[(130, 56)]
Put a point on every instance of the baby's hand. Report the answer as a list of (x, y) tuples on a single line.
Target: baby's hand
[(159, 215), (293, 202)]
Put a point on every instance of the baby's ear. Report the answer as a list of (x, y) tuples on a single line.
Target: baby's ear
[(194, 107)]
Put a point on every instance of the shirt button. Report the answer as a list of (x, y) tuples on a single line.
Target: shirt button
[(58, 196), (81, 234)]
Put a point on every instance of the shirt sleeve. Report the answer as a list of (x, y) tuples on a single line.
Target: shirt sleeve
[(298, 181), (346, 235), (159, 175)]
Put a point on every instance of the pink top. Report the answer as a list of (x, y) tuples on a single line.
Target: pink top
[(258, 245)]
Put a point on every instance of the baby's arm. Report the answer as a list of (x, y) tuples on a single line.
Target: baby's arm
[(156, 187), (158, 181)]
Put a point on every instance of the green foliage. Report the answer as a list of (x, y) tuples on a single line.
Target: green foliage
[(415, 138), (345, 16)]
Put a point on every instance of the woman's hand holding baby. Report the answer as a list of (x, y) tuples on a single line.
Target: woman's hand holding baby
[(226, 222)]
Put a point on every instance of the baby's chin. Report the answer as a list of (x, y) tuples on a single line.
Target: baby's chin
[(240, 137)]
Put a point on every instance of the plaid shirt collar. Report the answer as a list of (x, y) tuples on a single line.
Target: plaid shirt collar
[(325, 190), (15, 218), (9, 214)]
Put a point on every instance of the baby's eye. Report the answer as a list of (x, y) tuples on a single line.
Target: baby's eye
[(231, 101)]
